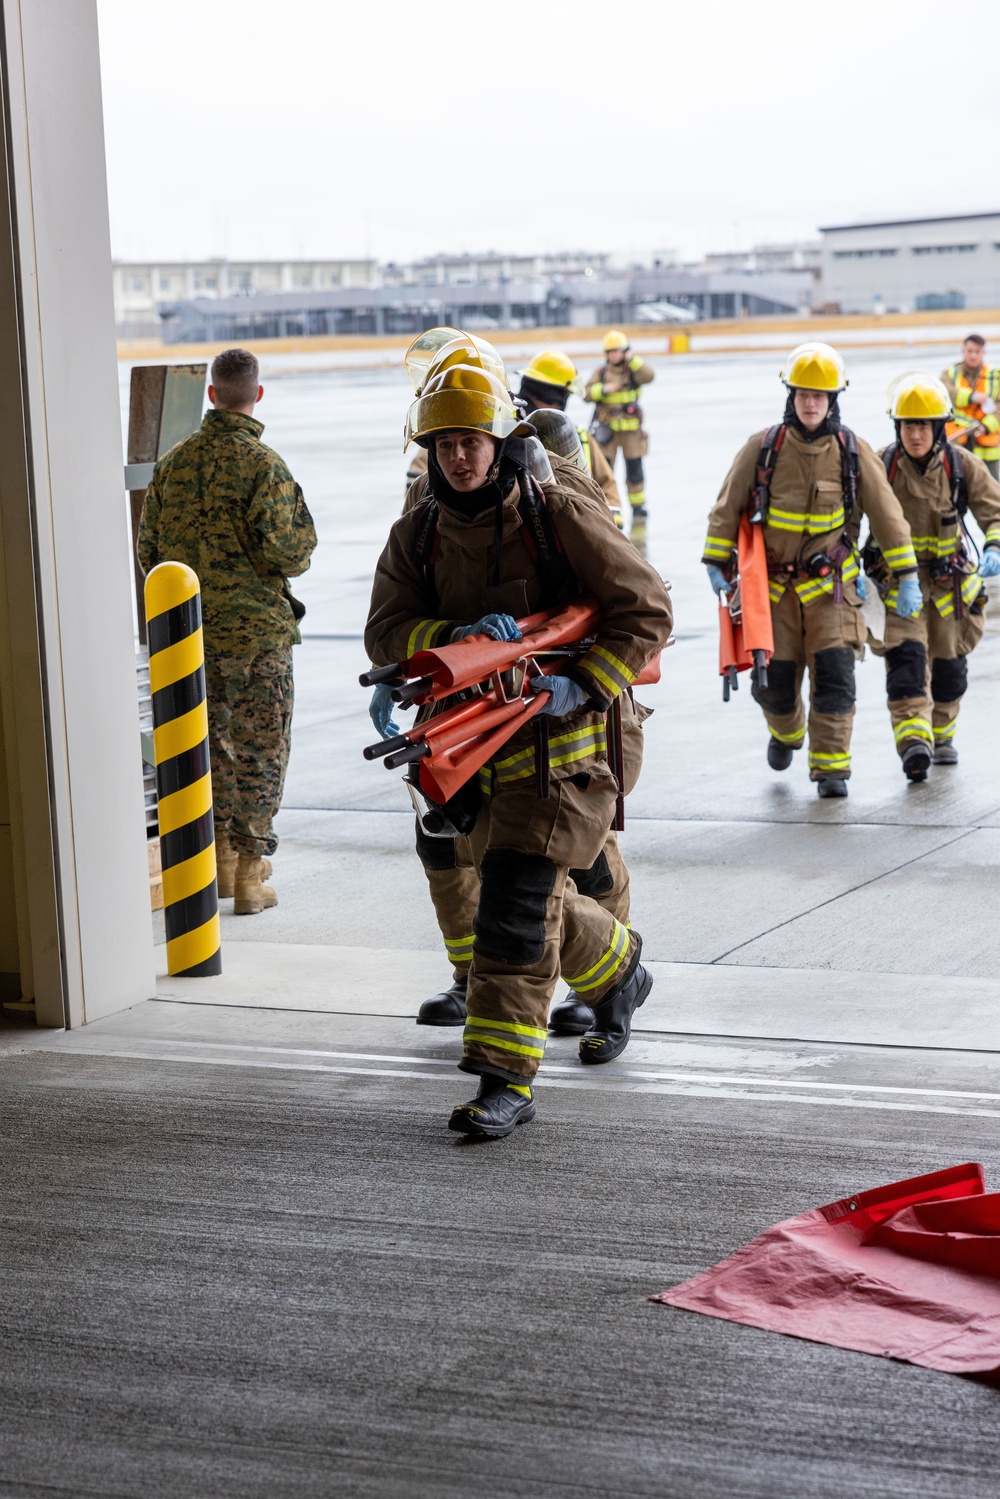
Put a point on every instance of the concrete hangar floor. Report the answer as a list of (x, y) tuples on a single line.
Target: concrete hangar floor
[(268, 1269)]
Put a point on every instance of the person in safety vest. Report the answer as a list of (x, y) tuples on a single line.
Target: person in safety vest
[(975, 392), (447, 862), (486, 545), (926, 662), (807, 482), (546, 385), (614, 391)]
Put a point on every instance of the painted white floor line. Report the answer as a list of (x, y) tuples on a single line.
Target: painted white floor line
[(702, 1085)]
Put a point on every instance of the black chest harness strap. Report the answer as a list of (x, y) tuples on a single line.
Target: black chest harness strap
[(770, 447), (536, 530)]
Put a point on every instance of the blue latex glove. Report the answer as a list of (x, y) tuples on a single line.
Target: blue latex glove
[(496, 626), (567, 695), (910, 600), (718, 579), (989, 563), (862, 587), (380, 711)]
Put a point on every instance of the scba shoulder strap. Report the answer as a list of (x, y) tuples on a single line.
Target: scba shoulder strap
[(537, 533), (770, 447)]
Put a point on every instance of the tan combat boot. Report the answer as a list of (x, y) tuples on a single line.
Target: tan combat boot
[(226, 859), (250, 893), (225, 865)]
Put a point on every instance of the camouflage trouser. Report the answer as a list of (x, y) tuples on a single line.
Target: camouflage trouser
[(249, 734)]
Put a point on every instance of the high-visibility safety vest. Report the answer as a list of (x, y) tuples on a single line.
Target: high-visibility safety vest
[(986, 444), (628, 421)]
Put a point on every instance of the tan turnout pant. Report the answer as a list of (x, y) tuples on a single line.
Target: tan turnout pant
[(926, 670), (825, 639)]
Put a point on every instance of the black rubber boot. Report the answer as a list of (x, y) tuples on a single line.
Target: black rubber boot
[(446, 1008), (945, 754), (613, 1018), (916, 760), (570, 1017), (497, 1109), (831, 786), (639, 512), (779, 756)]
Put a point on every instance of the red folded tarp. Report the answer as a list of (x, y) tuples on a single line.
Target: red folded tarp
[(908, 1271)]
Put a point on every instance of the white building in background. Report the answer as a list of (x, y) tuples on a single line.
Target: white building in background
[(913, 264), (140, 287)]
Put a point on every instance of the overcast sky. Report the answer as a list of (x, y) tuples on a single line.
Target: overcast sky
[(304, 127)]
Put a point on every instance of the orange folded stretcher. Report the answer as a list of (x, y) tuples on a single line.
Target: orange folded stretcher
[(451, 745), (746, 636)]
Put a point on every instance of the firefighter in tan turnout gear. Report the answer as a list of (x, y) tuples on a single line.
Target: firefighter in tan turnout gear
[(808, 481), (546, 385), (926, 657), (503, 547), (451, 876), (614, 391)]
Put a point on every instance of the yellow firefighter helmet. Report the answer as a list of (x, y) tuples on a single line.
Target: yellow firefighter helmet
[(553, 367), (615, 339), (463, 396), (914, 397), (815, 367)]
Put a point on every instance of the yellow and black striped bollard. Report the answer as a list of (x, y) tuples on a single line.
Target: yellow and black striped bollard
[(183, 771)]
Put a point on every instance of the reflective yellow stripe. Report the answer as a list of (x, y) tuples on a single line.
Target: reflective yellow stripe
[(993, 534), (819, 761), (624, 424), (900, 558), (775, 589), (510, 1026), (564, 749), (617, 667), (718, 549), (810, 588), (936, 546), (948, 732), (792, 739), (587, 450), (913, 728), (486, 1039), (607, 964), (177, 661), (459, 949), (422, 635), (814, 523), (971, 589), (619, 397)]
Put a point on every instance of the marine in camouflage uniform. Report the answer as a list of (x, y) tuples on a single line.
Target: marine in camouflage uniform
[(226, 504)]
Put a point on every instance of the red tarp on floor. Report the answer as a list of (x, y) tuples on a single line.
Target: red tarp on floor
[(908, 1271)]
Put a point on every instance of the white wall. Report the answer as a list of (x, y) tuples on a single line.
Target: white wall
[(82, 573)]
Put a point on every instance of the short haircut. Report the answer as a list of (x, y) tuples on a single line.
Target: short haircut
[(236, 378), (974, 338)]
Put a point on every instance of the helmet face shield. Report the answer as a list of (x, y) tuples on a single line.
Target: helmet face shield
[(423, 351), (914, 397), (469, 350), (463, 397), (815, 366)]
